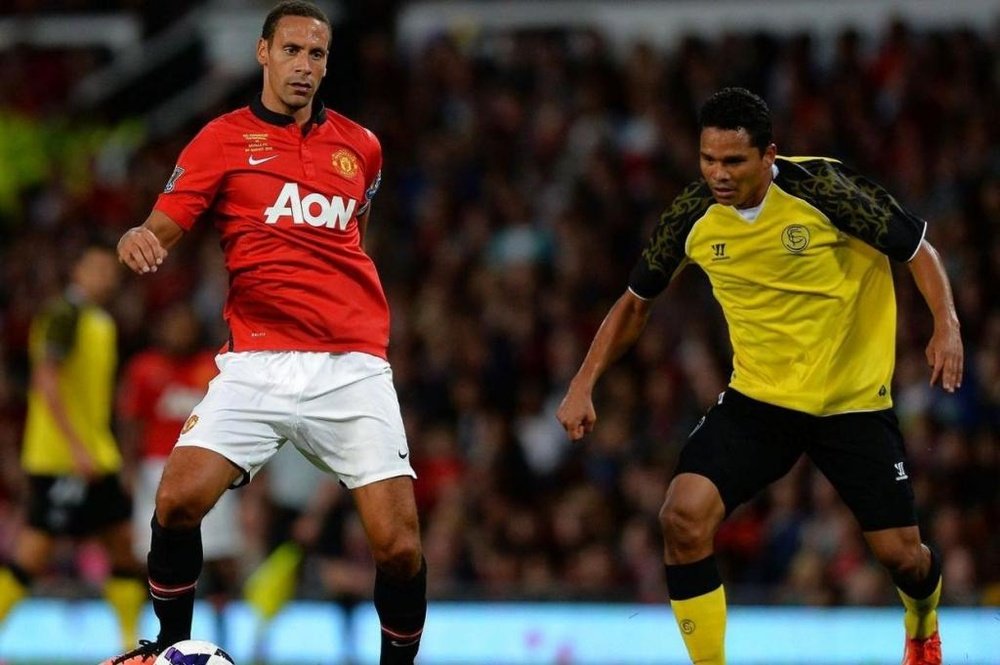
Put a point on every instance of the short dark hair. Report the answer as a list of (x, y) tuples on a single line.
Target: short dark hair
[(738, 108), (291, 8)]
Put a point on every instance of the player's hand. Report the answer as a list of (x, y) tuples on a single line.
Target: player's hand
[(945, 356), (83, 465), (141, 250), (576, 413)]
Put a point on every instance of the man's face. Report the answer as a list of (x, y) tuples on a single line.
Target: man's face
[(735, 170), (98, 274), (294, 63)]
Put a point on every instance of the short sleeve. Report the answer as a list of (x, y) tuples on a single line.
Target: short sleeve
[(664, 252), (858, 206), (60, 321), (195, 179)]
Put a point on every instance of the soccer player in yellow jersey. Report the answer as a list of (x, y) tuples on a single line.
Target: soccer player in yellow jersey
[(797, 252), (69, 453)]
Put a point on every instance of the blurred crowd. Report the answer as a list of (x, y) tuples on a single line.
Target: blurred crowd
[(523, 173)]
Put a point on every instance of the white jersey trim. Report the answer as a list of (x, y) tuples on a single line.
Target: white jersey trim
[(923, 234)]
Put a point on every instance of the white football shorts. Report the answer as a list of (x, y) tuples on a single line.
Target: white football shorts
[(339, 409), (221, 537)]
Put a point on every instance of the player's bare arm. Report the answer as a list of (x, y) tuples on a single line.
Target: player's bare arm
[(45, 378), (944, 351), (618, 332), (143, 248)]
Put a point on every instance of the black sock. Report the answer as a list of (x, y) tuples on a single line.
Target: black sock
[(690, 580), (175, 559), (402, 608), (925, 587)]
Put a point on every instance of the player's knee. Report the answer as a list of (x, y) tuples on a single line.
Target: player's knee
[(178, 507), (684, 526), (398, 557), (903, 560)]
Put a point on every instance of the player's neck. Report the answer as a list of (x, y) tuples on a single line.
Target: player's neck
[(758, 196), (300, 115)]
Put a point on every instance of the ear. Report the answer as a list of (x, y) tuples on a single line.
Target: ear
[(262, 51), (769, 155)]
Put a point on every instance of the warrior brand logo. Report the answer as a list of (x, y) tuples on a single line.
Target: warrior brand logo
[(795, 238), (719, 252), (314, 209), (900, 472)]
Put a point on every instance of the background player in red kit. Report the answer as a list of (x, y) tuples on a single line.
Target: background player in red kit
[(288, 184), (159, 388)]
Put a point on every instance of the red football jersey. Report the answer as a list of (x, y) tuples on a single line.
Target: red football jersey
[(159, 391), (285, 201)]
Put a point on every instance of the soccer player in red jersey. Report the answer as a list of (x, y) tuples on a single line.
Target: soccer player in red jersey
[(288, 184)]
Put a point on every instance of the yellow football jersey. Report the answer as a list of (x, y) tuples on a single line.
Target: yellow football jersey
[(805, 285), (82, 338)]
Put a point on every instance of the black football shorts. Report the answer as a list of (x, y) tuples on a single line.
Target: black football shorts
[(68, 505), (743, 445)]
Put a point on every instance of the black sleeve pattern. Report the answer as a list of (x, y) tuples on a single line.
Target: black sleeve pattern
[(665, 250), (61, 320), (855, 205)]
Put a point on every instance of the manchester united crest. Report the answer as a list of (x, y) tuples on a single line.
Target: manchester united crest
[(345, 163), (189, 424)]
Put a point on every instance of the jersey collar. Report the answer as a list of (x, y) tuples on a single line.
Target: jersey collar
[(267, 115)]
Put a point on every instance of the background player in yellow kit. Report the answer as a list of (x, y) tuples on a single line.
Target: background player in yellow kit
[(69, 454)]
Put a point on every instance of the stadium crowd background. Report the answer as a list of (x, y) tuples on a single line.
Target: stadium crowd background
[(523, 172)]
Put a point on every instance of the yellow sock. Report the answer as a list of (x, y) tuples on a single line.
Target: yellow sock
[(126, 595), (702, 621), (920, 618), (12, 591)]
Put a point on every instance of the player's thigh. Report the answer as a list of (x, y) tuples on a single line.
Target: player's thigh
[(193, 480), (33, 549), (741, 446), (864, 458), (350, 422), (388, 513)]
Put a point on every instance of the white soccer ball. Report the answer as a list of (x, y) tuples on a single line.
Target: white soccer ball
[(194, 652)]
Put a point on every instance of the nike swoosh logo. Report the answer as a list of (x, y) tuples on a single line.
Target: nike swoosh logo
[(255, 162), (402, 455)]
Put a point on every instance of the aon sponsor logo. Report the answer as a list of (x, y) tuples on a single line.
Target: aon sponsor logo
[(313, 209)]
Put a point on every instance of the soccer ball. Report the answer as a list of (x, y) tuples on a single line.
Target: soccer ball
[(194, 652)]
